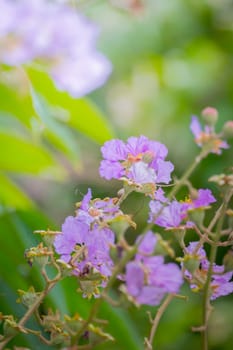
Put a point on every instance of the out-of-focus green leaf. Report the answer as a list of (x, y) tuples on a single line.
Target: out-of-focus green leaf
[(11, 124), (121, 328), (11, 195), (60, 135), (81, 114), (16, 104), (20, 155)]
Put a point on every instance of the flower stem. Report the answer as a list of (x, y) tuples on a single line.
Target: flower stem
[(32, 309), (207, 289), (155, 323), (187, 174)]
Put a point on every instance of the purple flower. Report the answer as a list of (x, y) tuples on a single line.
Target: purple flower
[(148, 278), (73, 232), (83, 246), (146, 245), (33, 29), (220, 284), (198, 252), (148, 281), (139, 161), (97, 210), (174, 214), (207, 137), (204, 199), (168, 216)]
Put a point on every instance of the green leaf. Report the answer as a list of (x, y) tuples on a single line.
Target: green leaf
[(20, 155), (60, 135), (81, 114), (11, 196), (16, 104), (121, 327)]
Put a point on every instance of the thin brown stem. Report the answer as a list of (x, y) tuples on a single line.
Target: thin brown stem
[(32, 309), (213, 252), (155, 322)]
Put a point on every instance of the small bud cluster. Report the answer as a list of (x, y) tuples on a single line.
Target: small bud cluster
[(206, 137)]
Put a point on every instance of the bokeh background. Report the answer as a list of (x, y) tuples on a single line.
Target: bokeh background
[(170, 60)]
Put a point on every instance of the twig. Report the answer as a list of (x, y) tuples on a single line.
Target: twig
[(160, 312)]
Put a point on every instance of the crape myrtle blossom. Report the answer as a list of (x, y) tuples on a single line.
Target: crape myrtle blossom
[(207, 138), (54, 34), (101, 211), (221, 282), (84, 247), (89, 235), (139, 161), (86, 240), (147, 277), (174, 214)]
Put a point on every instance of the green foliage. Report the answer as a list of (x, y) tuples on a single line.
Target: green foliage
[(38, 127)]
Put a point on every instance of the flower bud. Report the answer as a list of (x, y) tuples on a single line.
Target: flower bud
[(65, 269), (121, 223), (163, 248), (40, 254), (48, 236), (197, 215), (60, 338), (228, 261), (27, 298), (96, 333), (228, 129), (210, 115), (10, 327), (222, 180), (89, 288), (191, 263), (73, 323)]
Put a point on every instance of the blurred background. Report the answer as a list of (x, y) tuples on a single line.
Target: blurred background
[(170, 60)]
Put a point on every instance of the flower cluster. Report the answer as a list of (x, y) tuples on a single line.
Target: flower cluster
[(86, 238), (147, 277), (138, 162), (174, 214), (56, 35), (196, 272)]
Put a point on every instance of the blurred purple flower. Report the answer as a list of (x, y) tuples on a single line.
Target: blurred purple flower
[(57, 36), (221, 285), (146, 245), (148, 281), (207, 137), (139, 161), (203, 199), (148, 278)]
